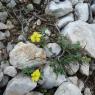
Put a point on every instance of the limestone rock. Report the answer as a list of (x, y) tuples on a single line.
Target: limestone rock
[(80, 84), (4, 81), (30, 7), (82, 11), (52, 49), (74, 2), (37, 1), (82, 32), (72, 68), (11, 4), (10, 71), (92, 66), (10, 24), (1, 75), (64, 20), (2, 36), (74, 80), (59, 9), (5, 1), (7, 33), (20, 86), (3, 26), (87, 91), (26, 55), (10, 46), (84, 69), (1, 5), (50, 78), (67, 88), (2, 45), (3, 16), (4, 64)]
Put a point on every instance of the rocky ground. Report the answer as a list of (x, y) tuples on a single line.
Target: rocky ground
[(47, 47)]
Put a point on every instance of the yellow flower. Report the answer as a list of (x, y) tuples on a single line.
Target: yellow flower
[(35, 76), (36, 37)]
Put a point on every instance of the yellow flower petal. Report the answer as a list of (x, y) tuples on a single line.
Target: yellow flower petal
[(36, 37), (39, 35), (32, 38), (35, 75), (35, 79)]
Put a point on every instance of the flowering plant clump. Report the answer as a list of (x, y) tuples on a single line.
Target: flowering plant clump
[(35, 76), (36, 37)]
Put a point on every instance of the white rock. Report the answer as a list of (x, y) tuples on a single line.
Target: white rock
[(21, 38), (64, 20), (74, 80), (37, 1), (57, 1), (9, 24), (4, 64), (87, 91), (2, 36), (20, 86), (82, 11), (82, 32), (47, 32), (81, 1), (67, 88), (74, 2), (27, 55), (5, 1), (1, 5), (3, 26), (59, 9), (2, 45), (60, 79), (38, 22), (11, 4), (50, 79), (84, 69), (72, 68), (10, 71), (1, 75), (92, 66), (30, 7), (7, 33), (10, 46), (80, 84), (4, 81), (3, 16), (52, 49)]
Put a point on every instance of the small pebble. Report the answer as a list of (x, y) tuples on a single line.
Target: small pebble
[(47, 32), (30, 7), (36, 1), (10, 71), (11, 4), (38, 22)]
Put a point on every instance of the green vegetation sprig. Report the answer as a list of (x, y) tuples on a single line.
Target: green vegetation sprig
[(71, 53)]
